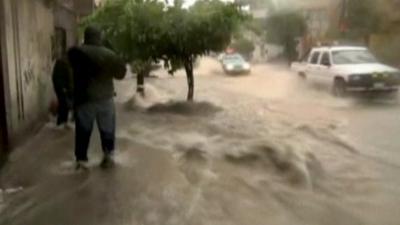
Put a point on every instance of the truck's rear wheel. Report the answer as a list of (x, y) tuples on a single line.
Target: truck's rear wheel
[(339, 88)]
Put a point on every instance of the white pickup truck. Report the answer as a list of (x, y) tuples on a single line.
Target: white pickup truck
[(348, 69)]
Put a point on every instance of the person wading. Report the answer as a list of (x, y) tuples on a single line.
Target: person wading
[(94, 68), (62, 83)]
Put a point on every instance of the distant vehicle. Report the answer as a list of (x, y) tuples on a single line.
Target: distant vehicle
[(348, 69), (235, 64)]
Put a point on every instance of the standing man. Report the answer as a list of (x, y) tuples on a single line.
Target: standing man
[(94, 68), (62, 83)]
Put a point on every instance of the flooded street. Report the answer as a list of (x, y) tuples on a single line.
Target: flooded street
[(267, 148)]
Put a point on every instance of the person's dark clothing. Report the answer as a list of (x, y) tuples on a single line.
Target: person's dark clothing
[(94, 69), (62, 109), (62, 83), (103, 112), (93, 36)]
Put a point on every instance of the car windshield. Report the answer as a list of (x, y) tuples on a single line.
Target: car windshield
[(353, 57), (233, 59)]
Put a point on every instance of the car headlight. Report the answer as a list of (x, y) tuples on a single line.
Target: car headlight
[(229, 67), (246, 66)]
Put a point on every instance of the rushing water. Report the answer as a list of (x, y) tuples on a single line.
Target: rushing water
[(258, 149)]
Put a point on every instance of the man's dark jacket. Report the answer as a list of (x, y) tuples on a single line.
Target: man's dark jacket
[(94, 69), (62, 78)]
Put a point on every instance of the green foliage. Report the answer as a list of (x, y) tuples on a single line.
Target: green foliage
[(144, 31), (283, 29), (206, 26), (138, 66), (149, 30), (133, 27)]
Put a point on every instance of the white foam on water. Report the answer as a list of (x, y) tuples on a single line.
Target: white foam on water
[(4, 193), (67, 167), (153, 95)]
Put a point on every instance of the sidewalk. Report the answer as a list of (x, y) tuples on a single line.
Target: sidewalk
[(143, 186), (147, 186)]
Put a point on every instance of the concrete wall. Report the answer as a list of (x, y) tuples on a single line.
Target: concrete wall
[(27, 44), (3, 122), (65, 17), (84, 7)]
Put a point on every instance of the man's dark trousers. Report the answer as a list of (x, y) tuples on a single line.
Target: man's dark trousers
[(101, 111), (63, 108)]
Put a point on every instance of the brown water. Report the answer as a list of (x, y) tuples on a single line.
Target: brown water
[(259, 149)]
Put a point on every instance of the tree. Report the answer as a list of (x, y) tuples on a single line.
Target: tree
[(145, 31), (134, 29), (283, 29), (206, 26)]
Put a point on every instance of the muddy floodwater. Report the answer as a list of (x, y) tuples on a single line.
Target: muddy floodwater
[(265, 148)]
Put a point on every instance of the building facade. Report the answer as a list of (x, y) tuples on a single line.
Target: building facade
[(31, 31), (26, 46)]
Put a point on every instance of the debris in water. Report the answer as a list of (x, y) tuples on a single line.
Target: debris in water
[(194, 154), (185, 108)]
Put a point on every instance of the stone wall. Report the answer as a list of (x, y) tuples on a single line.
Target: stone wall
[(84, 7)]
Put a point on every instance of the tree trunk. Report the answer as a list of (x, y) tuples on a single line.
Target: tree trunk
[(190, 79), (140, 83), (143, 71)]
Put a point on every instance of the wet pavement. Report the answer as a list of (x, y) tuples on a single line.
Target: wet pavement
[(259, 149)]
